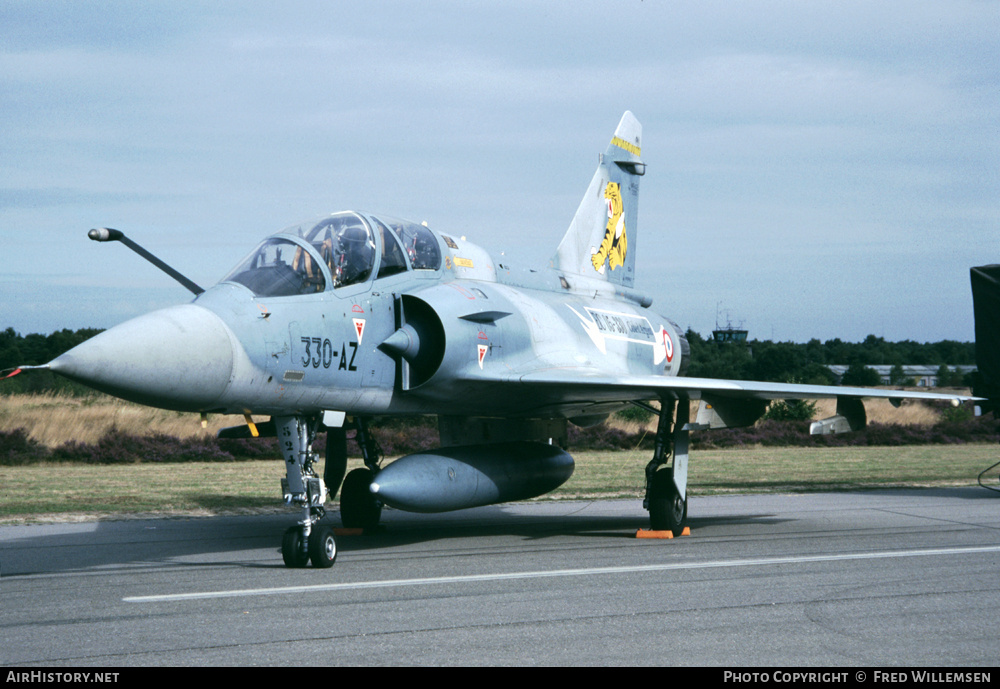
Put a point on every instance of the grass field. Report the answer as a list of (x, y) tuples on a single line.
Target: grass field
[(62, 492)]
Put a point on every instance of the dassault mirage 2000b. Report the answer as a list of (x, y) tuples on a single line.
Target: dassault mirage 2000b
[(352, 316)]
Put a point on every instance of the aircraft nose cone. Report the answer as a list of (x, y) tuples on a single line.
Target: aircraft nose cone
[(176, 358)]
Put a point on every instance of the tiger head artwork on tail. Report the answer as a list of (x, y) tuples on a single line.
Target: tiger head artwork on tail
[(615, 244)]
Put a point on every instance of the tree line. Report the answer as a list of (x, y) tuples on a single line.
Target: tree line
[(807, 363), (35, 349)]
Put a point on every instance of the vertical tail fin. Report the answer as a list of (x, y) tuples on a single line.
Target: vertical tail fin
[(601, 239)]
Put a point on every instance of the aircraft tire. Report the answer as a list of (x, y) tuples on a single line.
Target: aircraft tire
[(358, 507), (667, 511), (322, 547), (291, 548)]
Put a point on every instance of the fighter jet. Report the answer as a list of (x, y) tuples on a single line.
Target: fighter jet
[(334, 322)]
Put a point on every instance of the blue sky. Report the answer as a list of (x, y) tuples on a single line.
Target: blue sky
[(815, 170)]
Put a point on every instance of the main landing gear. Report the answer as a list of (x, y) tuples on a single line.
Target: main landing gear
[(666, 486), (359, 508)]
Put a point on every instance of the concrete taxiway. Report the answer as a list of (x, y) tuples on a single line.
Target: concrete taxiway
[(889, 577)]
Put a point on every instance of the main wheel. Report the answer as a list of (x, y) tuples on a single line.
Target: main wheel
[(358, 507), (667, 510), (322, 547), (292, 551)]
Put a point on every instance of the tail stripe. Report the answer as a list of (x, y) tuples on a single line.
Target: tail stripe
[(621, 143)]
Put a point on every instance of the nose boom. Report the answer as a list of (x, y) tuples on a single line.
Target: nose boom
[(177, 358)]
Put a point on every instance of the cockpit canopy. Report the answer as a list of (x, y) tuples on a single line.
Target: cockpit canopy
[(336, 250)]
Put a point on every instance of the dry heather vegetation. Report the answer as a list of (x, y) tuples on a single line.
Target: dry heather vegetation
[(53, 419)]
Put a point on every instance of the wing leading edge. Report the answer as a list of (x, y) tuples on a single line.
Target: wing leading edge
[(725, 403)]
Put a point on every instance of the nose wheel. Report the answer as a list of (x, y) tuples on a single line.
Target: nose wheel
[(318, 547), (322, 547), (293, 550)]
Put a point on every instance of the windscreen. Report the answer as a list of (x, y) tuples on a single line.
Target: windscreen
[(279, 268)]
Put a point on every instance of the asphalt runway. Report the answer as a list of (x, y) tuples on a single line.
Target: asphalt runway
[(872, 578)]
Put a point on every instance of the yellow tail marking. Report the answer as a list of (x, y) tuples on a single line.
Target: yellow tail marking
[(621, 143)]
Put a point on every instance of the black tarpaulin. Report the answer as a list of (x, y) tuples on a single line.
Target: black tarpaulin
[(986, 307)]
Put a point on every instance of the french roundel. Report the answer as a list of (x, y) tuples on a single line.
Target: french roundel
[(668, 345)]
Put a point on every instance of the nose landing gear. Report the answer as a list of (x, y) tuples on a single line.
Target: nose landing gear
[(308, 540)]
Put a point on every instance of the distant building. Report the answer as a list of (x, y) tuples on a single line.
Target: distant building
[(922, 376), (728, 332), (730, 335)]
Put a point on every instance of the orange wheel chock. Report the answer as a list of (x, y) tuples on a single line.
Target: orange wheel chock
[(649, 533)]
